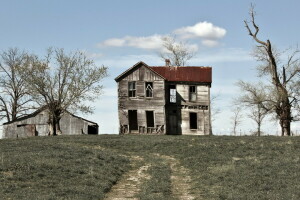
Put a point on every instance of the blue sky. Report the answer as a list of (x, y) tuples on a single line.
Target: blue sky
[(113, 33)]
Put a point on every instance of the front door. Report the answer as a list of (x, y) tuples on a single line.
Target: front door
[(173, 125), (133, 122)]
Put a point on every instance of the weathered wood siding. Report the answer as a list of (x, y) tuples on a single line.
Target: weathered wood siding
[(183, 107), (38, 126), (141, 103), (18, 128)]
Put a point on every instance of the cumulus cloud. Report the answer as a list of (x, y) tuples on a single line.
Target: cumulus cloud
[(114, 42), (149, 42), (210, 43), (203, 30), (208, 33)]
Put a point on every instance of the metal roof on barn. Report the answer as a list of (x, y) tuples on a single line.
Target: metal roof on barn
[(185, 74)]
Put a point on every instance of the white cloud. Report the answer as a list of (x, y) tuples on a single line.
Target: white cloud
[(114, 42), (204, 30), (207, 32), (149, 42), (210, 43)]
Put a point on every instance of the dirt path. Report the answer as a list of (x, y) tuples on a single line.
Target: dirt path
[(129, 185), (180, 179)]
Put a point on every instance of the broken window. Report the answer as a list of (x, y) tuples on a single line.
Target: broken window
[(150, 118), (193, 121), (149, 89), (131, 89), (172, 93), (193, 93)]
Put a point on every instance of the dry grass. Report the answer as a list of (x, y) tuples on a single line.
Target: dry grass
[(86, 167)]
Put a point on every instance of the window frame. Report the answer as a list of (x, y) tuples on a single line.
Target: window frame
[(132, 91), (172, 86), (148, 90), (192, 93)]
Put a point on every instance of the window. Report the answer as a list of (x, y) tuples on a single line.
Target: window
[(131, 89), (172, 93), (149, 89), (150, 118), (193, 94), (193, 121)]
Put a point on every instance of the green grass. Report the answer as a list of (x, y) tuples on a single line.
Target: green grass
[(85, 167), (159, 184), (54, 168)]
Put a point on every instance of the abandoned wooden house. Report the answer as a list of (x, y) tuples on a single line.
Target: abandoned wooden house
[(37, 124), (164, 100)]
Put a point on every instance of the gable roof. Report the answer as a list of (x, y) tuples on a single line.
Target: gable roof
[(177, 74), (41, 109), (134, 67), (185, 74)]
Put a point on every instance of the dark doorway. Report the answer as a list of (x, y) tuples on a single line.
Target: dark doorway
[(133, 122), (93, 129), (150, 118), (193, 121), (173, 124)]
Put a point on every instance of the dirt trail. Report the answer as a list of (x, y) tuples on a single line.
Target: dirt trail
[(180, 179), (129, 185)]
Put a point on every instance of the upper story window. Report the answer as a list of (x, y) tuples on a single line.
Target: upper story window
[(149, 89), (193, 93), (172, 93), (131, 89)]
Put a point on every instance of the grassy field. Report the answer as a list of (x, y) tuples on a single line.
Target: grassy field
[(159, 167)]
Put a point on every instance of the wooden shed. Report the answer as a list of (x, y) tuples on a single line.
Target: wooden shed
[(37, 124), (164, 100)]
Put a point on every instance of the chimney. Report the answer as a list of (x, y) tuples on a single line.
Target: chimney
[(167, 62)]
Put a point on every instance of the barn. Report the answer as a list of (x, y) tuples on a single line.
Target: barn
[(164, 100), (37, 124)]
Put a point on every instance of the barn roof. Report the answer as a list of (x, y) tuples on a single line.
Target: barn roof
[(41, 109), (176, 74)]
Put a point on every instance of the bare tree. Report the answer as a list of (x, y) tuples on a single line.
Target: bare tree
[(214, 110), (236, 118), (14, 98), (63, 82), (177, 52), (282, 78), (255, 97)]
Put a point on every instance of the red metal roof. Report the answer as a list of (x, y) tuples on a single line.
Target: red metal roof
[(190, 74)]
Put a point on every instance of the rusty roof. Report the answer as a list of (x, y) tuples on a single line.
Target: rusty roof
[(185, 74)]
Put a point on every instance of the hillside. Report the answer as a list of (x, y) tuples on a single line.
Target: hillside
[(150, 167)]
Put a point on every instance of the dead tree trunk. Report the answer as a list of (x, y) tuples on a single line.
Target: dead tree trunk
[(283, 108)]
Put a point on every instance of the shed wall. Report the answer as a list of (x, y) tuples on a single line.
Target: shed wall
[(38, 126)]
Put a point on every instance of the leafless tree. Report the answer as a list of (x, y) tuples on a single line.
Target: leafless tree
[(63, 82), (283, 78), (214, 110), (14, 98), (177, 52), (255, 97), (236, 118)]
